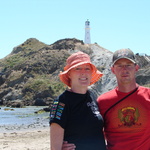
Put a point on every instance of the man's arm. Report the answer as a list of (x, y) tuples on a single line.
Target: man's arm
[(68, 146)]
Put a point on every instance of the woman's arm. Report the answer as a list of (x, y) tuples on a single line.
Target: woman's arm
[(56, 136)]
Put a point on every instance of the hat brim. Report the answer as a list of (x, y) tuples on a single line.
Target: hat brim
[(96, 74), (125, 58)]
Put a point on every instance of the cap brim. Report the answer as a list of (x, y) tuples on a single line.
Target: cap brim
[(125, 58)]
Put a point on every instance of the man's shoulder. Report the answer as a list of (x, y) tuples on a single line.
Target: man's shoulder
[(144, 89)]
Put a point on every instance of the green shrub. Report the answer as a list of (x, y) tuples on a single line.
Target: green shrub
[(42, 83)]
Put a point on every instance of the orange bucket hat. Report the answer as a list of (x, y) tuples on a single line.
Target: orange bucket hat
[(76, 59)]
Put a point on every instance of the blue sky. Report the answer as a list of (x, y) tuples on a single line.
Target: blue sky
[(115, 24)]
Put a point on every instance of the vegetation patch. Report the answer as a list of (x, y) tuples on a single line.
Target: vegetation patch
[(40, 84)]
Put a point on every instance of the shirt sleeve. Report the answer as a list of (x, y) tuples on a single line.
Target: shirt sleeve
[(59, 112)]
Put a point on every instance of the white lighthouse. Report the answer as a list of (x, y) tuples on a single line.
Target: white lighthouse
[(87, 39)]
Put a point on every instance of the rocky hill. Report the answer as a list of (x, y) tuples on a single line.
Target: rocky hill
[(29, 75)]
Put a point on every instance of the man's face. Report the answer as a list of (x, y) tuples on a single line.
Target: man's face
[(125, 70)]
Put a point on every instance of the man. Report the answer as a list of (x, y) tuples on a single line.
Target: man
[(125, 109)]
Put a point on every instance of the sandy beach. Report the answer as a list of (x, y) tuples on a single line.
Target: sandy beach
[(23, 129), (37, 139)]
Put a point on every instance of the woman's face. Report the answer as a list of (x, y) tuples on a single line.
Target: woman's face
[(80, 76)]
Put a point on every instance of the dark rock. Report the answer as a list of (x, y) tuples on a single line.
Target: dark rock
[(2, 79), (46, 109), (15, 104), (39, 102)]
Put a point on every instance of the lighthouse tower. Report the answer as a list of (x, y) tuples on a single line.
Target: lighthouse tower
[(87, 33)]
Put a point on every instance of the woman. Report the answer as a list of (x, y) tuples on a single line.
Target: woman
[(74, 115)]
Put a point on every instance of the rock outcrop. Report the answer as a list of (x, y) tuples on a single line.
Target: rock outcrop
[(29, 75)]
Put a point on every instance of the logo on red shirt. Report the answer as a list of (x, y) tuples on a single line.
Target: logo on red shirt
[(128, 116)]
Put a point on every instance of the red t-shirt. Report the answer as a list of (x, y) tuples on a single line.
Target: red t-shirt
[(127, 125)]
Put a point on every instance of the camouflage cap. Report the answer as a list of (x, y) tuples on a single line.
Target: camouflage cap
[(123, 53)]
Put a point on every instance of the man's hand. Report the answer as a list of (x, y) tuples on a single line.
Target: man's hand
[(68, 146)]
